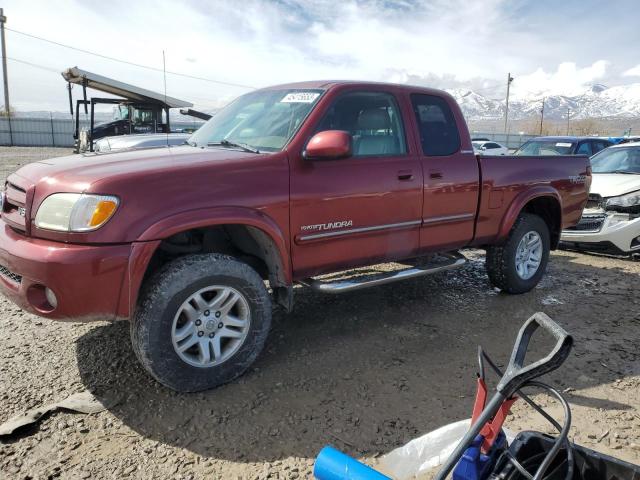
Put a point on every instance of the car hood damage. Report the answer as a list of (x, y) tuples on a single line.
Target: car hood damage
[(614, 184)]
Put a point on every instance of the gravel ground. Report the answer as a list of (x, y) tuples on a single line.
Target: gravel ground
[(12, 158), (366, 372)]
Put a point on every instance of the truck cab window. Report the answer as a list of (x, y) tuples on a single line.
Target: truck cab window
[(584, 149), (436, 124), (142, 117), (372, 119)]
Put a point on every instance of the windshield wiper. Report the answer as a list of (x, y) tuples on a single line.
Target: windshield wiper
[(626, 172), (227, 143)]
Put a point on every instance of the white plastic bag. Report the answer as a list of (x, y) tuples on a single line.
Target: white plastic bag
[(426, 452)]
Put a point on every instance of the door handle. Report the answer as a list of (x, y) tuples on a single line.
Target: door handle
[(405, 175), (435, 174)]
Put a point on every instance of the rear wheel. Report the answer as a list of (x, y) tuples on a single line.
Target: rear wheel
[(518, 265), (201, 322)]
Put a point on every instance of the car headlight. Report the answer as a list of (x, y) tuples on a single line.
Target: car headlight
[(75, 212), (624, 203)]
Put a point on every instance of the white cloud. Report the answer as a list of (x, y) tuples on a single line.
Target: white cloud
[(632, 72), (568, 79)]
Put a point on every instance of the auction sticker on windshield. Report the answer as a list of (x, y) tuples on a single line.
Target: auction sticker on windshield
[(300, 97), (562, 144)]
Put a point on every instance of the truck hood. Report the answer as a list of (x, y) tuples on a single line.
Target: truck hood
[(78, 172), (153, 185), (614, 184)]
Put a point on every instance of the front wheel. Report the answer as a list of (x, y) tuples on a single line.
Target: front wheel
[(202, 320), (518, 265)]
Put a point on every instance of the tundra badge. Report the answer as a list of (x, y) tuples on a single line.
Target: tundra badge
[(327, 226), (577, 179)]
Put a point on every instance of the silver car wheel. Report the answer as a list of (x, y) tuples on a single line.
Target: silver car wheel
[(529, 255), (210, 326)]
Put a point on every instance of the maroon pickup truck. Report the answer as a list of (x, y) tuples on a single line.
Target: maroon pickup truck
[(285, 184)]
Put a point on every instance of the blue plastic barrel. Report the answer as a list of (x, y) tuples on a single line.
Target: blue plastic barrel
[(332, 464)]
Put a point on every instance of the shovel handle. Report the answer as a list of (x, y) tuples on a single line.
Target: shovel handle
[(516, 374)]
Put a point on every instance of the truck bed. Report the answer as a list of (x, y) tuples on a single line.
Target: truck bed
[(508, 182)]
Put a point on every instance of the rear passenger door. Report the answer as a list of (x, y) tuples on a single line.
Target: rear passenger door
[(451, 176)]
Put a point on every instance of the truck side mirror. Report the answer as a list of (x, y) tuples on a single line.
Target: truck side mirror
[(329, 145)]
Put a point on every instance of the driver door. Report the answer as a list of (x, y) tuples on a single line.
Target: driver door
[(362, 209)]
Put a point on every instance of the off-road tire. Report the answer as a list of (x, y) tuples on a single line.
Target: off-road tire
[(500, 260), (160, 299)]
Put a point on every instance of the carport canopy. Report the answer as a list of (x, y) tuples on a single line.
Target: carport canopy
[(121, 89)]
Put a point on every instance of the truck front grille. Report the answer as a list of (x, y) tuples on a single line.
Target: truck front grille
[(14, 277), (591, 223), (14, 206)]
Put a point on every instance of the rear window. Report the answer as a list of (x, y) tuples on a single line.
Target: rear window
[(436, 124)]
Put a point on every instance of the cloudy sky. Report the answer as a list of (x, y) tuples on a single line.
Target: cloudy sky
[(548, 46)]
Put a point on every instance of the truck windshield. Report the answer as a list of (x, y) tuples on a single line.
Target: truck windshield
[(263, 120), (617, 160), (546, 147)]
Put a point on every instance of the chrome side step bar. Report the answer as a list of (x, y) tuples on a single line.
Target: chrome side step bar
[(454, 260)]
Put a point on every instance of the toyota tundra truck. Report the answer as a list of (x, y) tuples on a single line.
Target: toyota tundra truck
[(193, 244)]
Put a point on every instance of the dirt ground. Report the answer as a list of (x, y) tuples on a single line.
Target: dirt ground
[(366, 371)]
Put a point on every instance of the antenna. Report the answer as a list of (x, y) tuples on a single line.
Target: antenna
[(164, 73)]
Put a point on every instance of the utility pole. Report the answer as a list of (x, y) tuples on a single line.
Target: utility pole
[(542, 115), (506, 107), (568, 115), (3, 20)]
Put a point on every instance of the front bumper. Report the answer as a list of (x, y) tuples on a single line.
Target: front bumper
[(87, 280), (617, 229)]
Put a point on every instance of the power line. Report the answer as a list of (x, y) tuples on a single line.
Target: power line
[(107, 57), (49, 69)]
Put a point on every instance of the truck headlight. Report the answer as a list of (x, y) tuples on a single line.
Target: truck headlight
[(75, 212), (624, 203)]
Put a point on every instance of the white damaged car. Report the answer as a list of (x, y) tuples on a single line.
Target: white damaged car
[(611, 219)]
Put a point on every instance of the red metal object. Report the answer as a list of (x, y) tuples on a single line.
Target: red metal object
[(491, 429), (330, 144), (480, 401), (86, 279), (398, 206)]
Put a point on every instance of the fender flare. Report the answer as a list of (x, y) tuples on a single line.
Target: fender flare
[(147, 243), (519, 202)]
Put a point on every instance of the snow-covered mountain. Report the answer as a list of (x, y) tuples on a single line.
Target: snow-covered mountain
[(596, 101)]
